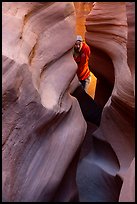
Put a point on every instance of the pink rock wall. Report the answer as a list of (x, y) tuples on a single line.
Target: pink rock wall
[(104, 33), (42, 124), (111, 31), (41, 132)]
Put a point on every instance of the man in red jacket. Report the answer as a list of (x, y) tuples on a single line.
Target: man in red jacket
[(81, 56)]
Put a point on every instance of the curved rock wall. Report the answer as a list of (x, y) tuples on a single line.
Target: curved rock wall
[(130, 7), (109, 33), (43, 126), (106, 33), (41, 132)]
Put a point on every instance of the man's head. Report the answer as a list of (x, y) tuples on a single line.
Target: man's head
[(78, 43)]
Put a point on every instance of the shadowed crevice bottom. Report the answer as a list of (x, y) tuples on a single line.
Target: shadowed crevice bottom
[(91, 111), (96, 185)]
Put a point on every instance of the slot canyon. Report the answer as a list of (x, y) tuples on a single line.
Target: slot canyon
[(59, 143)]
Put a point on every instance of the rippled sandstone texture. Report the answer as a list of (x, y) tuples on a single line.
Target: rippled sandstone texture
[(42, 123), (110, 34), (40, 117)]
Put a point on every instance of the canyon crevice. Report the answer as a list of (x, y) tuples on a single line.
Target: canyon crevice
[(51, 152)]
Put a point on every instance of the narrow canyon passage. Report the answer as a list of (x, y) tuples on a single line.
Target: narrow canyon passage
[(82, 10), (50, 152)]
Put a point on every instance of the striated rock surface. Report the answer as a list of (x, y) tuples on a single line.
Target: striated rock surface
[(41, 132), (110, 34), (127, 192), (43, 126), (130, 8)]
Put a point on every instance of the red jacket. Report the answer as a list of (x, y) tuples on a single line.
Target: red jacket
[(82, 61)]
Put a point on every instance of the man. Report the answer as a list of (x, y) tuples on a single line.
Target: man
[(81, 56)]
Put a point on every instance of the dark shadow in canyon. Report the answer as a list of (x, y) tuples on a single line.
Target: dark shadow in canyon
[(102, 67)]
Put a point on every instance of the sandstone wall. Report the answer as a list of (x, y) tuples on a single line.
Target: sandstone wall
[(110, 34), (107, 29), (42, 124), (41, 131)]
